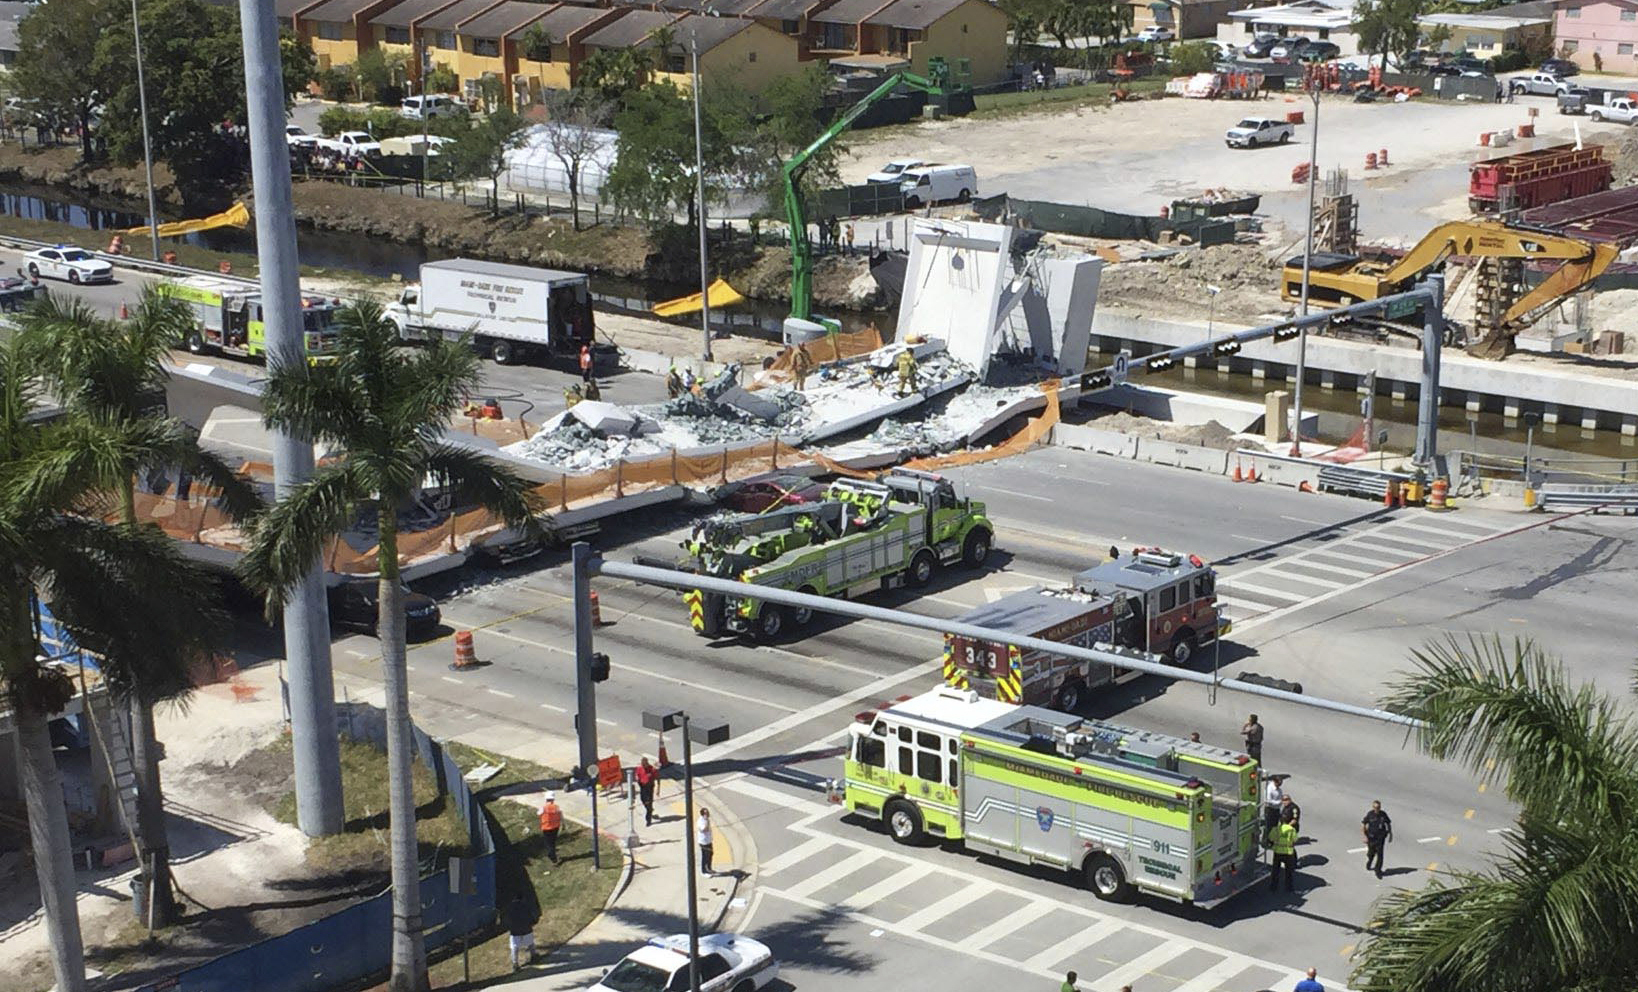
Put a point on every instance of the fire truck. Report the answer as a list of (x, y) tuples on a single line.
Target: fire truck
[(862, 536), (1121, 810), (1156, 602), (228, 318)]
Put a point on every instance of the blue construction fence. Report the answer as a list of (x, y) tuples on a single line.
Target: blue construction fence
[(355, 943)]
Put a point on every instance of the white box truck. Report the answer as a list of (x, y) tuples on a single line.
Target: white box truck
[(511, 311)]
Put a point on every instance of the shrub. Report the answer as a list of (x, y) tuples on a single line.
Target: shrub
[(336, 82), (1510, 60)]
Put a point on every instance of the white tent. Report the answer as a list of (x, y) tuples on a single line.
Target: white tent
[(532, 168)]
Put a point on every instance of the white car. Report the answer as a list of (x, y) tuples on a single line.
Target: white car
[(351, 142), (894, 171), (728, 963), (1155, 32), (68, 262), (296, 137), (435, 104), (1254, 131)]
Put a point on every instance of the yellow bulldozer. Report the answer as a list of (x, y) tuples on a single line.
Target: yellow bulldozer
[(1505, 308)]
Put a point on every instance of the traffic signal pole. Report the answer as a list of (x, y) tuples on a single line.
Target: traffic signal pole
[(585, 718)]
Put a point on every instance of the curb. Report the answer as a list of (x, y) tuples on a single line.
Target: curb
[(746, 874)]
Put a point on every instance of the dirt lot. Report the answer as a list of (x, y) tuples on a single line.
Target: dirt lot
[(1136, 157)]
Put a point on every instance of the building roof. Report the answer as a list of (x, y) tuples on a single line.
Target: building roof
[(784, 10), (287, 9), (504, 18), (719, 8), (10, 10), (847, 11), (1483, 22), (631, 30), (405, 13), (1308, 15), (8, 36), (709, 31), (450, 17), (562, 21), (338, 11), (912, 14)]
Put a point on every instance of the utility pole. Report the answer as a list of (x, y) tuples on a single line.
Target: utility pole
[(1307, 264), (426, 71), (585, 717), (699, 198), (1427, 403), (147, 146), (307, 614)]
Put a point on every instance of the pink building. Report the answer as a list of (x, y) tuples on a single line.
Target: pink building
[(1607, 29)]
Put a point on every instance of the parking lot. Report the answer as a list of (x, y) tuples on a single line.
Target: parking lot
[(1136, 157)]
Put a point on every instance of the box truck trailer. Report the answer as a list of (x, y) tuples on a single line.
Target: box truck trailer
[(511, 311)]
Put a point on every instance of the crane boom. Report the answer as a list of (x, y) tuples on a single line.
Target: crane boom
[(796, 214)]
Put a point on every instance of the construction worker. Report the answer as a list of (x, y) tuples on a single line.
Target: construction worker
[(1377, 829), (673, 383), (801, 365), (551, 821), (592, 391), (1284, 845), (571, 396), (585, 363), (906, 364)]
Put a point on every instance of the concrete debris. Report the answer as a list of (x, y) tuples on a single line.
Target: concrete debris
[(1177, 286), (1208, 435), (741, 400), (605, 418)]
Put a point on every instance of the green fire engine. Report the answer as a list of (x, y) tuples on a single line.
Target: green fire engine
[(1122, 810), (862, 536), (228, 318)]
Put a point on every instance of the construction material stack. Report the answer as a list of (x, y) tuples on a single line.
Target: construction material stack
[(1534, 178)]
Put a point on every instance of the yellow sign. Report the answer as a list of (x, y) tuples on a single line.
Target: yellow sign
[(722, 295), (234, 216)]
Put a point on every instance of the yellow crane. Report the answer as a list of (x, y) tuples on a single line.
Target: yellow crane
[(1338, 280)]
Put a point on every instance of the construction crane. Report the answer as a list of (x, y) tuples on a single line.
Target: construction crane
[(796, 214), (1338, 280)]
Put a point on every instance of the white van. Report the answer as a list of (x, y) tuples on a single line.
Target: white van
[(893, 171), (936, 183), (436, 104)]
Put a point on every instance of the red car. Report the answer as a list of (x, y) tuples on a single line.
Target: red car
[(770, 494)]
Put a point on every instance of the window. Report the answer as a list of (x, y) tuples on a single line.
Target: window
[(1168, 598), (1324, 33), (924, 739), (927, 766), (329, 30), (396, 36), (1629, 15), (963, 29), (790, 26), (835, 37), (907, 761), (489, 47), (1568, 47), (904, 734), (1203, 586), (954, 778), (871, 752), (443, 39), (1574, 13), (711, 966), (751, 57), (1624, 48)]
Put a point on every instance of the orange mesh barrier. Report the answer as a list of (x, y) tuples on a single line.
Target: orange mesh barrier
[(1032, 431)]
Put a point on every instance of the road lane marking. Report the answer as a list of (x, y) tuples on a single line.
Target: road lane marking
[(867, 897), (1293, 576), (607, 723), (1357, 850), (501, 693), (1010, 924), (1013, 492), (555, 709), (1427, 840), (795, 855), (1142, 965), (1469, 814), (448, 678), (829, 876), (1235, 584), (944, 907), (1305, 520), (1078, 941), (1218, 975)]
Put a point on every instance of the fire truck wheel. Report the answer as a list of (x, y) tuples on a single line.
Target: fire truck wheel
[(1106, 879), (1069, 697), (503, 352), (921, 567), (903, 821), (770, 623), (976, 550), (801, 616), (1182, 648)]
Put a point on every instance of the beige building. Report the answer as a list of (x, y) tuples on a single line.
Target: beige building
[(549, 51)]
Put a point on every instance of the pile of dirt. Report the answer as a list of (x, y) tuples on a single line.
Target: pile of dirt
[(1623, 154), (1210, 434), (1177, 286)]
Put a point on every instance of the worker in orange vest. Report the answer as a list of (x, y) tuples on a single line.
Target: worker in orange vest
[(585, 362), (551, 821)]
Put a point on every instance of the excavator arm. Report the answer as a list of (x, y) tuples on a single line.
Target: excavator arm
[(1485, 239), (796, 214)]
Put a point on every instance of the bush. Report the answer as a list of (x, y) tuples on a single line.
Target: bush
[(1510, 60), (336, 82), (1192, 57)]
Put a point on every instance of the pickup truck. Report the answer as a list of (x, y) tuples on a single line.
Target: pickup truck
[(1540, 84), (1622, 110), (1254, 131), (350, 143)]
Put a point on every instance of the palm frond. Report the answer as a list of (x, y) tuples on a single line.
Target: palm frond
[(486, 482), (1506, 713), (435, 384), (313, 403), (237, 494), (287, 539), (85, 456)]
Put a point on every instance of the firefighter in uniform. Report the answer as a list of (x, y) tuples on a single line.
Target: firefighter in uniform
[(801, 365), (906, 364), (592, 392), (673, 383), (571, 396), (551, 821), (1285, 856)]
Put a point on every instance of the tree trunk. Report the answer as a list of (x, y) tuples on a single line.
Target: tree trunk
[(53, 861), (150, 825), (574, 195), (409, 953), (86, 152)]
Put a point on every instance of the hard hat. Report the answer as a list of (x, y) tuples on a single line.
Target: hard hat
[(551, 797)]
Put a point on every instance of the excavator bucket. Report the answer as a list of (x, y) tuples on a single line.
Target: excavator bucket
[(1567, 279)]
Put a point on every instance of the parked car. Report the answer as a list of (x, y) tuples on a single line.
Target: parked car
[(1622, 111), (1560, 67), (1155, 32), (68, 262), (504, 547), (937, 183), (431, 105), (297, 137), (1468, 64), (1540, 84), (769, 494), (727, 962), (1260, 46), (894, 170), (1289, 49), (1319, 51), (351, 143), (1442, 70), (1254, 131), (356, 606)]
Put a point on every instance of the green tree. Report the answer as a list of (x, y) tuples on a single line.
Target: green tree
[(653, 171), (386, 408), (378, 75), (755, 133), (615, 72), (1025, 20), (114, 372), (481, 150), (55, 43), (537, 44), (1389, 27), (1557, 911), (570, 134), (1191, 57)]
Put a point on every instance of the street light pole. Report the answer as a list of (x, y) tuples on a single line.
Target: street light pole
[(688, 846), (1211, 313), (699, 199), (1307, 265), (147, 146)]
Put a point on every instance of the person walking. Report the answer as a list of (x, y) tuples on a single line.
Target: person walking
[(585, 363), (551, 821), (848, 242), (1069, 984), (673, 383), (1285, 857), (1309, 984), (906, 365), (702, 837), (1253, 733), (1377, 829), (801, 366), (647, 775), (520, 929)]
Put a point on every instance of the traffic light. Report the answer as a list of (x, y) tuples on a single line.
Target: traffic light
[(599, 667)]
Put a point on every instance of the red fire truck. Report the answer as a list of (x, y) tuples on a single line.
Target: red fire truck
[(1154, 601)]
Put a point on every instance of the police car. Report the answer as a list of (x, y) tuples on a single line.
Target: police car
[(728, 963), (68, 262)]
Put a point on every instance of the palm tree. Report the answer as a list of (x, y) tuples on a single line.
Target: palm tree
[(113, 587), (1558, 910), (115, 372), (387, 409)]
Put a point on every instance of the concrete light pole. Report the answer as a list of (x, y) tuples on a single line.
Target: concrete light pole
[(1211, 312), (714, 733), (147, 146), (307, 614), (1307, 264)]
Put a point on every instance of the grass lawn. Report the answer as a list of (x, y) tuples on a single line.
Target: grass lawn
[(575, 892)]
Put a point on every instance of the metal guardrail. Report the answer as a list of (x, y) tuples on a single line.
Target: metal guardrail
[(1622, 499), (1354, 482)]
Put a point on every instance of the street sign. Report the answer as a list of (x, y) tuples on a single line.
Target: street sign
[(1117, 373)]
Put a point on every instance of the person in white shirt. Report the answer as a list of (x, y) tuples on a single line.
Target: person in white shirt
[(1272, 797), (702, 836)]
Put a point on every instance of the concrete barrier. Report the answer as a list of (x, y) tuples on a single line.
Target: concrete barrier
[(1281, 473), (1103, 442), (1213, 461)]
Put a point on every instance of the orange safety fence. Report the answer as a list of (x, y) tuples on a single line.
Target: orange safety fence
[(1032, 432), (830, 348)]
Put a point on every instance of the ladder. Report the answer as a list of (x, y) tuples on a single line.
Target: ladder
[(114, 740)]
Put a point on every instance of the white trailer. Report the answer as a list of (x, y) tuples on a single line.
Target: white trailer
[(511, 311)]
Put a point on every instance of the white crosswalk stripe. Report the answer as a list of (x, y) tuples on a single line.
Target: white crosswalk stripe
[(1011, 923), (1066, 949), (835, 873), (867, 897), (1142, 965), (1216, 976), (944, 907)]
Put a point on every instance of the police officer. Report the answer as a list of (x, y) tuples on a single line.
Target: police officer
[(1285, 856), (1377, 829)]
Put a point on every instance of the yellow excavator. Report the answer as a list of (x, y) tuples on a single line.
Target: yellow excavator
[(1337, 280)]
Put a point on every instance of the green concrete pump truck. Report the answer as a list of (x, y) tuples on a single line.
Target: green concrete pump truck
[(862, 536)]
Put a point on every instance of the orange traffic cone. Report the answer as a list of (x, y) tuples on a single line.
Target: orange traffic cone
[(1237, 476), (596, 611), (124, 311), (466, 656), (665, 759), (1251, 476), (1389, 492)]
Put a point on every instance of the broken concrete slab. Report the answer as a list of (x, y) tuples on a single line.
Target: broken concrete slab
[(751, 404), (604, 418)]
